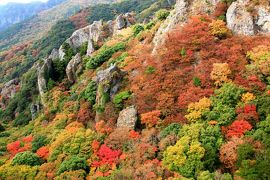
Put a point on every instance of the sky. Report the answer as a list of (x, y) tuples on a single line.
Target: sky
[(19, 1)]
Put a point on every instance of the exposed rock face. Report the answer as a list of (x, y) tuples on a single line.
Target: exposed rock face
[(263, 19), (44, 70), (108, 82), (74, 68), (78, 38), (34, 109), (95, 31), (99, 30), (183, 10), (127, 118), (123, 21), (242, 22), (110, 79), (61, 53), (239, 20), (10, 88), (95, 35), (54, 54)]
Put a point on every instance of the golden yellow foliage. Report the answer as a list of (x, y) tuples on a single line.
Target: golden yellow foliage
[(219, 29), (220, 73), (247, 97), (196, 109)]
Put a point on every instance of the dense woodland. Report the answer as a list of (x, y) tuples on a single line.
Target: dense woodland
[(203, 103)]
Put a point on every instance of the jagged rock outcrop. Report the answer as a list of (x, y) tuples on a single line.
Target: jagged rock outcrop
[(123, 21), (54, 54), (74, 68), (43, 71), (183, 10), (127, 118), (78, 38), (10, 88), (35, 109), (75, 41), (99, 30), (96, 34), (241, 21), (61, 53), (108, 82)]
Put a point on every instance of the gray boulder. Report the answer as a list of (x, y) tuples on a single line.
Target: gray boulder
[(242, 22), (74, 68), (239, 20), (127, 118), (263, 20)]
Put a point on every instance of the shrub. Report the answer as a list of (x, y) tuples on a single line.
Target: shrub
[(219, 29), (149, 25), (26, 158), (238, 128), (78, 175), (43, 152), (185, 157), (72, 164), (220, 73), (196, 81), (119, 59), (120, 97), (136, 29), (151, 118), (197, 109), (2, 128), (8, 171), (244, 152), (38, 142), (83, 49), (162, 14), (150, 70), (90, 92), (171, 129), (262, 132), (104, 54)]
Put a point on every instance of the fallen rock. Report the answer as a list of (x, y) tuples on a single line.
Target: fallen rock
[(74, 68), (127, 118)]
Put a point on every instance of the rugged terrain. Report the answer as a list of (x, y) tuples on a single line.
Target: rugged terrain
[(141, 90)]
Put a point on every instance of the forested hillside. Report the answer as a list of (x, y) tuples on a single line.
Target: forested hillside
[(141, 90), (13, 13)]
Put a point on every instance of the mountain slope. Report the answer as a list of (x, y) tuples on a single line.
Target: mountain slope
[(184, 95), (13, 13), (40, 24)]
